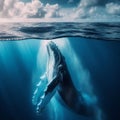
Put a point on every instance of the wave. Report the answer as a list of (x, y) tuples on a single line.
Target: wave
[(47, 31)]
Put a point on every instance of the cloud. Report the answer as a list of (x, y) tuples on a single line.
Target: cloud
[(1, 5), (33, 9), (5, 6), (88, 3), (85, 9), (95, 9), (52, 11), (113, 8)]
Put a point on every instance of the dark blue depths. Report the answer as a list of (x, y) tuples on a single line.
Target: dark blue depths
[(18, 62)]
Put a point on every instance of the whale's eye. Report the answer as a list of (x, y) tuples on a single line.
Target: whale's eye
[(60, 67)]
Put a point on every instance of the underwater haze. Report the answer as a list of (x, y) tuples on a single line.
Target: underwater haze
[(92, 54)]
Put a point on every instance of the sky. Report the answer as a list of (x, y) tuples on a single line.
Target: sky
[(61, 10)]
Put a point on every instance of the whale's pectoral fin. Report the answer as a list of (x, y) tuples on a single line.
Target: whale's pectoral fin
[(41, 85), (48, 94)]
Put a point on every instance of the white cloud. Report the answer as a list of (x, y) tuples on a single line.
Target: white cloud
[(6, 6), (1, 5), (82, 12), (87, 9), (33, 9), (113, 8), (52, 11), (90, 9), (79, 13), (88, 3)]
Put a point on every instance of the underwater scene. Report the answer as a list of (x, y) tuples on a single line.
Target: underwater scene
[(60, 71)]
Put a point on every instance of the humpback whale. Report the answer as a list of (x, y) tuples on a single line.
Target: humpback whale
[(59, 80)]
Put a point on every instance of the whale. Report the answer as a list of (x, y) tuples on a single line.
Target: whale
[(60, 81)]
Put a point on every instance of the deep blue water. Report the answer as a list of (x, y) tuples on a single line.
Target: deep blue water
[(94, 65)]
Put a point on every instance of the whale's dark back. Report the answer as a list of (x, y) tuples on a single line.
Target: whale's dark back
[(72, 98)]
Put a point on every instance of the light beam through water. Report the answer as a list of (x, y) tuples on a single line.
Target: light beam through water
[(79, 74)]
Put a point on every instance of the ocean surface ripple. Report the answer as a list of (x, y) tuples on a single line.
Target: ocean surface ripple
[(46, 31)]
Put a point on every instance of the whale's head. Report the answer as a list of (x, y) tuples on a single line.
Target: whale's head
[(56, 62)]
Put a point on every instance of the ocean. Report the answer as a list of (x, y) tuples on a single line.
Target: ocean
[(92, 55)]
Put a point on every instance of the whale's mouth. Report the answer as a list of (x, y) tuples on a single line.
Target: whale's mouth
[(55, 61), (52, 48)]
